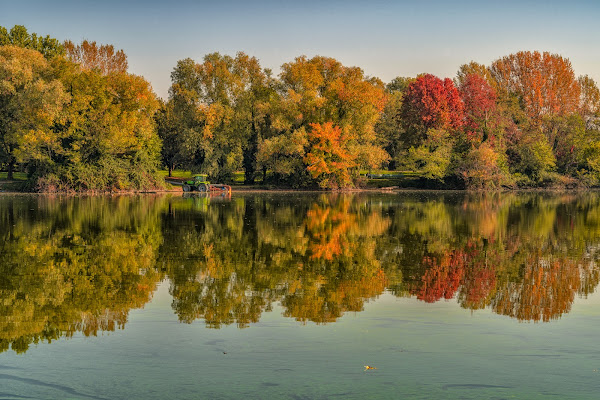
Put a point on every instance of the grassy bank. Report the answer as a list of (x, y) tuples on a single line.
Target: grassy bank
[(16, 184)]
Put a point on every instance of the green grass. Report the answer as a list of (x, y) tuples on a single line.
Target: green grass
[(14, 185), (238, 177), (179, 173), (17, 176), (406, 180)]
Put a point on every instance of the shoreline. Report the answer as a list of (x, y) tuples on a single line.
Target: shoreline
[(302, 191)]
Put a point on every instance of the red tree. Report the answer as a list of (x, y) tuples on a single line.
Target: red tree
[(431, 103), (479, 100)]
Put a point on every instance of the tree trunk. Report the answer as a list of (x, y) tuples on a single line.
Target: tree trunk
[(11, 168), (250, 152), (170, 170)]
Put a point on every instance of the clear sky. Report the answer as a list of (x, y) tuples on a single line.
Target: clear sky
[(385, 38)]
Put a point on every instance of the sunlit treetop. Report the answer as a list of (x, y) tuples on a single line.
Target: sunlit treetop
[(18, 36), (93, 56)]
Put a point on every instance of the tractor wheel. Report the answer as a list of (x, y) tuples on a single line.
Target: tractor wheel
[(203, 187), (187, 188)]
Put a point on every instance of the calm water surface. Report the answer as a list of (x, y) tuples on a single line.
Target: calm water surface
[(448, 295)]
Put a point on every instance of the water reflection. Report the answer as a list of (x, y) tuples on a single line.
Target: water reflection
[(81, 264), (74, 265)]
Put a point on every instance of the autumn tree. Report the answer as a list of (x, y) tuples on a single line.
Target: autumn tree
[(430, 103), (30, 100), (223, 103), (110, 134), (484, 167), (90, 55), (545, 83), (329, 160), (321, 90), (479, 100)]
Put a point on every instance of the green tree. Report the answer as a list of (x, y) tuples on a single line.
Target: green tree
[(18, 36), (389, 127), (169, 129), (30, 100), (108, 138), (223, 103)]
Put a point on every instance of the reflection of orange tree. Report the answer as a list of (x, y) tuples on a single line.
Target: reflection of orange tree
[(525, 256), (342, 271), (546, 290), (330, 229), (309, 259)]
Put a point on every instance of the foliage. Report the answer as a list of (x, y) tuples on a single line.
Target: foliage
[(474, 68), (432, 158), (430, 103), (221, 110), (531, 155), (329, 159), (481, 115), (320, 91), (484, 168), (91, 56), (30, 101), (544, 82), (75, 127), (74, 119), (110, 139), (20, 37)]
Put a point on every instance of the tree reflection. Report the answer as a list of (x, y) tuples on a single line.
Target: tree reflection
[(81, 264), (73, 265), (525, 256), (244, 255)]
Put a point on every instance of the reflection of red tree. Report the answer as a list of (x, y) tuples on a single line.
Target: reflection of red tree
[(442, 277), (478, 283)]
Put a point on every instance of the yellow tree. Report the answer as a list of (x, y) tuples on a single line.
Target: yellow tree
[(30, 100)]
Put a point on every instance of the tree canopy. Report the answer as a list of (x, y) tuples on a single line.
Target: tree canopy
[(73, 118)]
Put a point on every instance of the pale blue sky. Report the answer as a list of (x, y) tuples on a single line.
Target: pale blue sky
[(385, 38)]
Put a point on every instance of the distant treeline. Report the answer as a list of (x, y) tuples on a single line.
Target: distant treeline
[(74, 119)]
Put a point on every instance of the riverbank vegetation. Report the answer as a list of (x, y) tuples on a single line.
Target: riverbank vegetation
[(74, 119)]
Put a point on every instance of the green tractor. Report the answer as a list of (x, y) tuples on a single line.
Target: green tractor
[(198, 183)]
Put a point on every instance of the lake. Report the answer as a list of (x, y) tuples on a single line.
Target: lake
[(289, 296)]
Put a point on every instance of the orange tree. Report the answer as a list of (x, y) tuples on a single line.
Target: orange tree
[(322, 91), (329, 160)]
